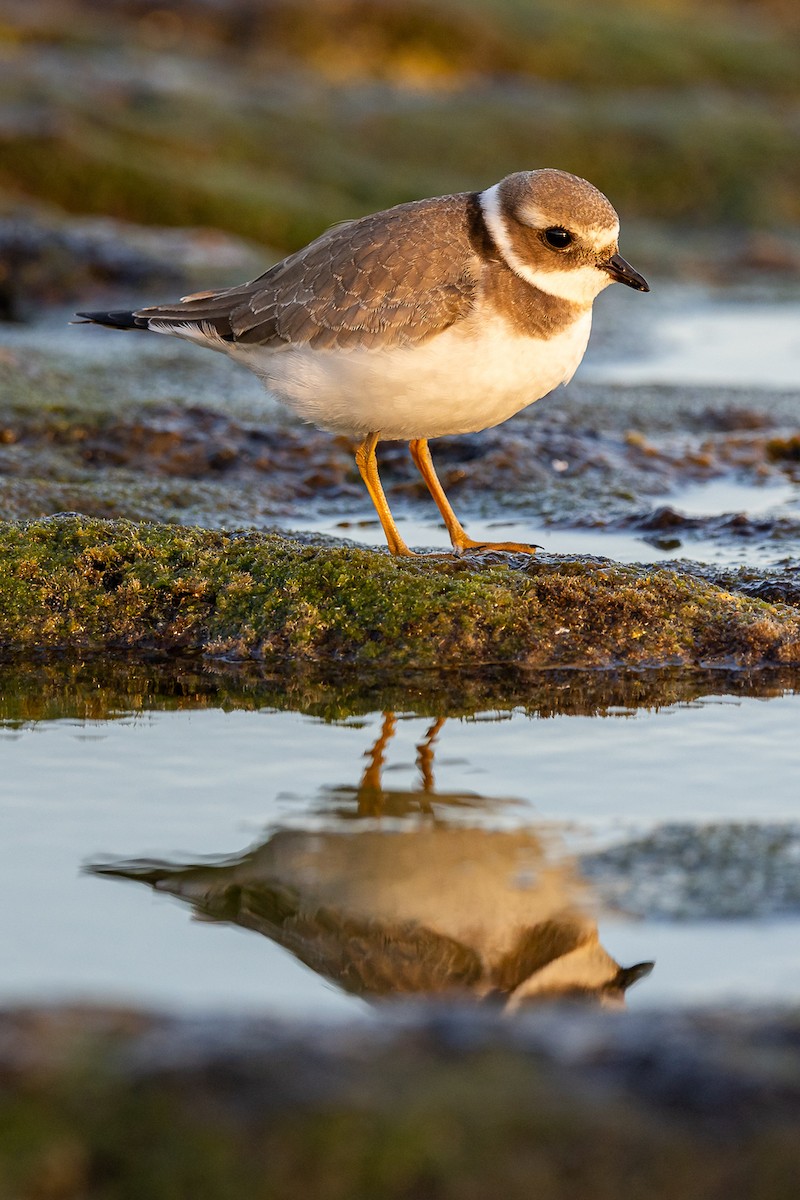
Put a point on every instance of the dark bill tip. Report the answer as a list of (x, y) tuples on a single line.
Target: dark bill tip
[(627, 976), (623, 272)]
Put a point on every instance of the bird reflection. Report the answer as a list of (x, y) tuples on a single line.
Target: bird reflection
[(413, 901)]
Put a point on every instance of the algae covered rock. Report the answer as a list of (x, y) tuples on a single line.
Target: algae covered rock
[(75, 584)]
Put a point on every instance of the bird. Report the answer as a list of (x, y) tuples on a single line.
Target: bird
[(432, 318), (432, 904)]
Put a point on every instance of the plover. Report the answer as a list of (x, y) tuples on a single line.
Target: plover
[(436, 317)]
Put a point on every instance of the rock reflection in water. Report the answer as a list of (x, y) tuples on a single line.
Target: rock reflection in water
[(420, 906)]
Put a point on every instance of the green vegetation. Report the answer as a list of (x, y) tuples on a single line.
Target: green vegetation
[(273, 121), (75, 584)]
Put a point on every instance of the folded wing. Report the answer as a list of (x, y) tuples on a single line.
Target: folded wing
[(394, 278)]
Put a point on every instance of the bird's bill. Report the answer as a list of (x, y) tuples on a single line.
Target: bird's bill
[(627, 976), (623, 272)]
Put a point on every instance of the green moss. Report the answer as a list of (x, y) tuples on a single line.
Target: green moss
[(124, 177), (684, 156), (73, 583)]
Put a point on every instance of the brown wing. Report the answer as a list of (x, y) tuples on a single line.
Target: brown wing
[(394, 278)]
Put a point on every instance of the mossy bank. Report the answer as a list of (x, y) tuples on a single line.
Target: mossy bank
[(78, 585)]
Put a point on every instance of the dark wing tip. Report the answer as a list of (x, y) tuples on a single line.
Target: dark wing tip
[(120, 319)]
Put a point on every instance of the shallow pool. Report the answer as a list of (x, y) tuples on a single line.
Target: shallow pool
[(324, 859)]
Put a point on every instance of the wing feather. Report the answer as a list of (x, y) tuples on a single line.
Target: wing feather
[(394, 278)]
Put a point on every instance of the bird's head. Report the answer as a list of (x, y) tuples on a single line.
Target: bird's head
[(559, 233)]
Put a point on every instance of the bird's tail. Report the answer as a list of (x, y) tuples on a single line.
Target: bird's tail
[(112, 320)]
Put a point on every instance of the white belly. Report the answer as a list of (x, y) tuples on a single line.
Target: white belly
[(468, 378)]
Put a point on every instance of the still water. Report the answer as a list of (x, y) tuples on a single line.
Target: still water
[(232, 851), (720, 496)]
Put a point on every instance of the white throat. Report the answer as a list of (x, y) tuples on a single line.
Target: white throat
[(580, 285)]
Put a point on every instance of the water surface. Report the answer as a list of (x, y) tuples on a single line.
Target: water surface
[(599, 820)]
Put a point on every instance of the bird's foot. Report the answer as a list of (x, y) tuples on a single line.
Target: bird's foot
[(472, 547)]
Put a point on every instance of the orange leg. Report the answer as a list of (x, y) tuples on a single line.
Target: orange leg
[(367, 464), (461, 542)]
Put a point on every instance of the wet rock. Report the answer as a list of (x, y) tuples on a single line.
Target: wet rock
[(42, 264), (711, 872), (664, 517), (543, 465), (101, 427), (783, 449), (734, 420), (779, 585), (779, 588), (80, 585), (194, 442), (662, 523)]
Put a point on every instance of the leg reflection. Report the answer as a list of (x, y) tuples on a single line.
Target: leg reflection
[(373, 799), (425, 753), (369, 794)]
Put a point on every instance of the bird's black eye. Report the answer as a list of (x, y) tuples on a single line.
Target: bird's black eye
[(557, 237)]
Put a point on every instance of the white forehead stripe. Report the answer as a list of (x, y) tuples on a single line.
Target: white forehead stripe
[(604, 236), (531, 214), (600, 237)]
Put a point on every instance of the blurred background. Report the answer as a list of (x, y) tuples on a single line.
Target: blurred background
[(269, 120)]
